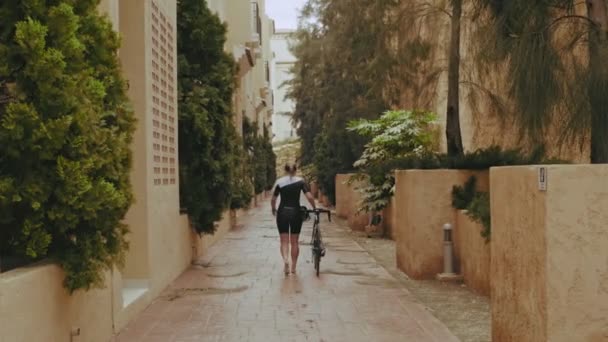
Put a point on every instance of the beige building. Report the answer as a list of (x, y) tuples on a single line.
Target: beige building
[(162, 244), (282, 62), (248, 40)]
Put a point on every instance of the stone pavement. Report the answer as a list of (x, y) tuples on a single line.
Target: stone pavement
[(238, 292)]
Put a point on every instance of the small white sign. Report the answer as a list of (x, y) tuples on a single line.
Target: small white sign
[(542, 179)]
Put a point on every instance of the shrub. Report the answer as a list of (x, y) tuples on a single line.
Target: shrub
[(396, 134), (463, 195), (65, 133), (207, 136), (476, 204), (326, 165), (271, 161), (263, 158), (479, 211), (242, 183)]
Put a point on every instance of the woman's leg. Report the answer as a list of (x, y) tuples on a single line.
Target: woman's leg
[(294, 240), (285, 250), (283, 227)]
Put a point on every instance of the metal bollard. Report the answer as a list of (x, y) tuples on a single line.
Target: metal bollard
[(448, 250), (448, 256)]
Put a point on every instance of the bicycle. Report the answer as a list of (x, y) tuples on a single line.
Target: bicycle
[(318, 249)]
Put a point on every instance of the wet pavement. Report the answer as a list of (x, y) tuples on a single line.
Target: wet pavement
[(238, 292)]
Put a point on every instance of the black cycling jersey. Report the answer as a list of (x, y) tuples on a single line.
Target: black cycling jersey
[(289, 189)]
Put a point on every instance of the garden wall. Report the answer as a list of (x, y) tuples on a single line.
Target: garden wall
[(36, 294), (473, 254), (34, 306), (424, 202), (201, 243), (549, 254), (348, 201), (389, 219)]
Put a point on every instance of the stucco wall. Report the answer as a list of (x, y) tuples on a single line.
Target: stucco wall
[(348, 201), (424, 202), (389, 219), (555, 286), (201, 243), (34, 306), (473, 254)]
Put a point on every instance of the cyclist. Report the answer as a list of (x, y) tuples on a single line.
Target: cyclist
[(289, 216)]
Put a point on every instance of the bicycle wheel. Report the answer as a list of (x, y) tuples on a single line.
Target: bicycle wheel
[(317, 260)]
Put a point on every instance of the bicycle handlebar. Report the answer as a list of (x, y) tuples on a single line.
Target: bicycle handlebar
[(319, 211)]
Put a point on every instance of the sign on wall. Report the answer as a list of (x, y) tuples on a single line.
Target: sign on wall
[(542, 178)]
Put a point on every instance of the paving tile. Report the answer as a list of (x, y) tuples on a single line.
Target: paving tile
[(237, 292)]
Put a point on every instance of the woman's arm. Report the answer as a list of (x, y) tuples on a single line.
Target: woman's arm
[(273, 201), (273, 205), (310, 199)]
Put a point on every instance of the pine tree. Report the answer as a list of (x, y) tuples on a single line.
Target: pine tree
[(555, 56), (207, 147), (65, 131)]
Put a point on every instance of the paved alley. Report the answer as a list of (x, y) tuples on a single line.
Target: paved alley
[(238, 292)]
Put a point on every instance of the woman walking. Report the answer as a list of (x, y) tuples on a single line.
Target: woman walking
[(289, 216)]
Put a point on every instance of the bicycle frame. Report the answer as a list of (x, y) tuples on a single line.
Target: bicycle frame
[(316, 243)]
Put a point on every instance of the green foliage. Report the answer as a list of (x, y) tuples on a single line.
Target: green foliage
[(242, 183), (271, 161), (555, 67), (327, 165), (481, 159), (263, 158), (355, 59), (260, 172), (396, 134), (463, 195), (479, 211), (476, 204), (207, 135), (65, 132)]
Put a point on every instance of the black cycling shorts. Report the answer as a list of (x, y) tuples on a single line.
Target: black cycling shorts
[(289, 220)]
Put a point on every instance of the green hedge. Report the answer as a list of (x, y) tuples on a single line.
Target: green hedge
[(65, 132), (242, 181), (263, 158), (207, 137)]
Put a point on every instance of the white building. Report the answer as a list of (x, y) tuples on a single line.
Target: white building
[(282, 62)]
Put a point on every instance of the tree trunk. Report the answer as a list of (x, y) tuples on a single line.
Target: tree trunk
[(597, 10), (452, 129)]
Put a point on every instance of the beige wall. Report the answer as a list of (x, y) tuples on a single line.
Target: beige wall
[(160, 237), (472, 254), (348, 201), (549, 253), (201, 243), (34, 306), (424, 202), (389, 219)]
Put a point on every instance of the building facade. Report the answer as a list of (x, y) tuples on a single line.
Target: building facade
[(162, 243), (248, 40), (282, 63)]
